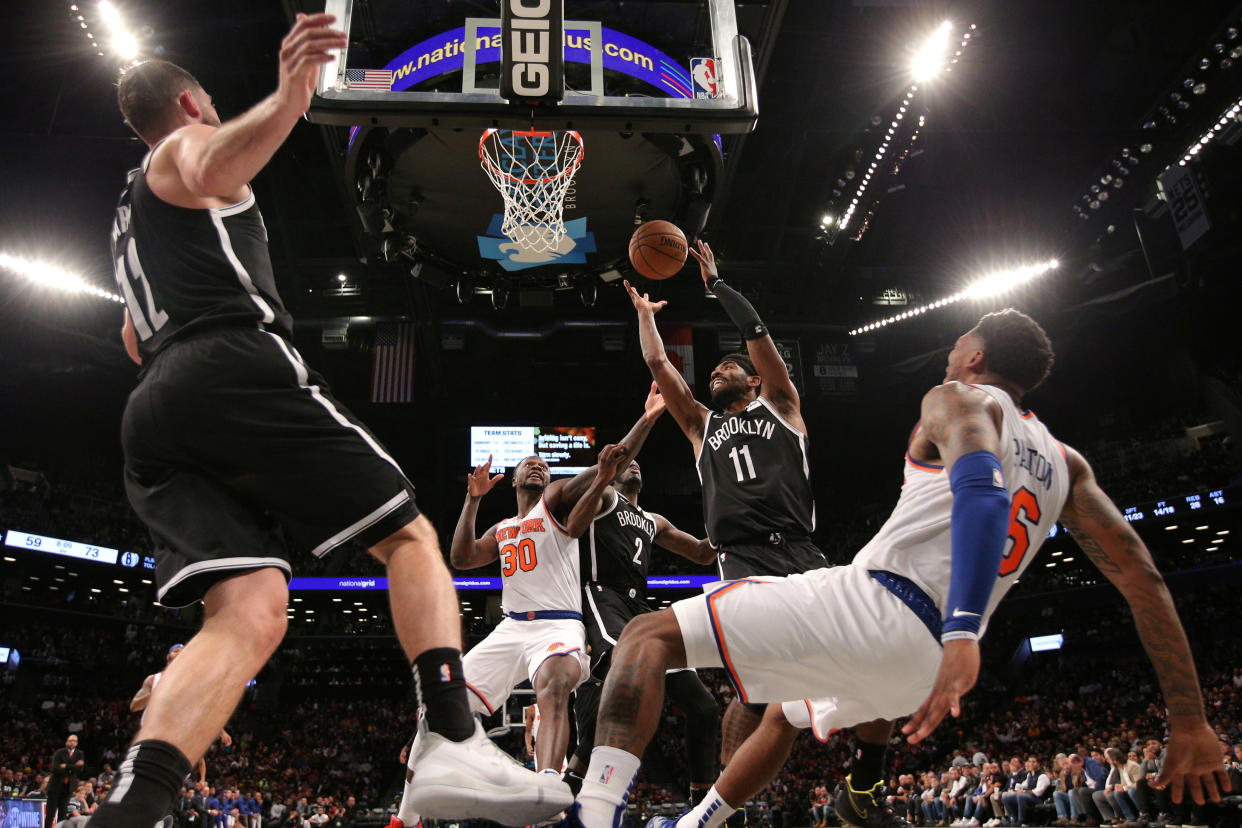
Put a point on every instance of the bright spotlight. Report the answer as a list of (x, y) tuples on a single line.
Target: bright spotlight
[(827, 220), (993, 284), (929, 59), (50, 275), (125, 45)]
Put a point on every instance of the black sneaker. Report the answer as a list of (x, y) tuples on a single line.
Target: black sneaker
[(866, 809)]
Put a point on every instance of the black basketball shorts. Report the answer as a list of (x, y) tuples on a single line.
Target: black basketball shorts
[(238, 458), (785, 557), (605, 614)]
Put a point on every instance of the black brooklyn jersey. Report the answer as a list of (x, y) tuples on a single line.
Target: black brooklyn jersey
[(756, 477), (616, 550), (183, 270)]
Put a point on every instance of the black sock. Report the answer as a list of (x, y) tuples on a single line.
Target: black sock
[(442, 692), (574, 781), (146, 784), (868, 765)]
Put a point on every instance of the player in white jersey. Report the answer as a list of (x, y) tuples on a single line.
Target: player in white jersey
[(143, 696), (541, 637), (984, 482)]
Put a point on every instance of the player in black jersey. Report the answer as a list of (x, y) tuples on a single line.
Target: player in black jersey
[(752, 458), (616, 546), (238, 458)]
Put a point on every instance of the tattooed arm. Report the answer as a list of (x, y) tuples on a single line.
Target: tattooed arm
[(1118, 552)]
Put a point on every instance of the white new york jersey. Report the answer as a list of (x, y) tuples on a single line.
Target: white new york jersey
[(538, 563), (915, 542)]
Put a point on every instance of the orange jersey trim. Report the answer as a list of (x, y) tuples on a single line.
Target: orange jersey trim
[(923, 466), (719, 634), (552, 518)]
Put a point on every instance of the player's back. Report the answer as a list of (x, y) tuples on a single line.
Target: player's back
[(915, 541), (538, 563), (182, 270)]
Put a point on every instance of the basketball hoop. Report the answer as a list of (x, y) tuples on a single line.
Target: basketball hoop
[(533, 171)]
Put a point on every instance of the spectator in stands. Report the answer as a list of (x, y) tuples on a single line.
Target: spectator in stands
[(819, 806), (1064, 779), (930, 799), (954, 794), (1114, 801), (1035, 787), (1151, 802)]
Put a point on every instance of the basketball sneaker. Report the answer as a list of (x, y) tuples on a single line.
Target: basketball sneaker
[(476, 779), (665, 822), (866, 809)]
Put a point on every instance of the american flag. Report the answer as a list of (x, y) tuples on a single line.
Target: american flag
[(369, 79), (392, 372)]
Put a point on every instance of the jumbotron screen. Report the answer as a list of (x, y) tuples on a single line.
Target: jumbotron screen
[(566, 449)]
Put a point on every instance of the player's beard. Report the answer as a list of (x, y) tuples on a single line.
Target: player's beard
[(727, 394), (533, 486)]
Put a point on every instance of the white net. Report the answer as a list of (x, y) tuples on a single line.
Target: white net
[(532, 170)]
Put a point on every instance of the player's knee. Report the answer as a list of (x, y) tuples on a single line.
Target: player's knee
[(417, 537), (652, 635)]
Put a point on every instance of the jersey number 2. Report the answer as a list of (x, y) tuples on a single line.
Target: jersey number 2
[(513, 558), (1023, 519), (638, 551)]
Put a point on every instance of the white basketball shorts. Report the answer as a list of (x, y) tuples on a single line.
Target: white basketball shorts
[(514, 651), (834, 636)]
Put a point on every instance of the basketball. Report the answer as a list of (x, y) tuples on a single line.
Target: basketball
[(658, 249)]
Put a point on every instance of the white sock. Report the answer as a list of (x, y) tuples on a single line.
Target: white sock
[(606, 786), (711, 812)]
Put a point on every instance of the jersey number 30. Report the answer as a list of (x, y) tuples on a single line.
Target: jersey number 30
[(1023, 519), (521, 556)]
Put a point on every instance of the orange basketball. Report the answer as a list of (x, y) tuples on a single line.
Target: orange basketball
[(658, 249)]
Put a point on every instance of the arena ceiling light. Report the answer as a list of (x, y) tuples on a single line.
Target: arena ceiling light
[(930, 58), (122, 40), (50, 275), (1232, 114), (994, 284)]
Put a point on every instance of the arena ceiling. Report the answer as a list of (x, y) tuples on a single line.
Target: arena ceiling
[(1040, 103)]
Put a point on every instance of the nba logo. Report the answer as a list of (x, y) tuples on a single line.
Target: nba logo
[(446, 675), (703, 78)]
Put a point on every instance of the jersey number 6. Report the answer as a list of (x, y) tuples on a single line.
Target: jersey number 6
[(1019, 541), (513, 558)]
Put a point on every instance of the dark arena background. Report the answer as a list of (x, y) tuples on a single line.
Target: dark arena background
[(1076, 160)]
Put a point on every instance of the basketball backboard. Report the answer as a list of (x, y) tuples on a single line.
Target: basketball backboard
[(643, 65)]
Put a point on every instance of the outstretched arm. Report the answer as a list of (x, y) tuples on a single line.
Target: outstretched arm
[(964, 425), (204, 161), (1117, 551), (682, 543), (467, 552), (589, 505), (689, 413), (778, 388), (562, 496)]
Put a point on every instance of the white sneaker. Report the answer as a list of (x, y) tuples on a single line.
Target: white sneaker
[(971, 823), (476, 779)]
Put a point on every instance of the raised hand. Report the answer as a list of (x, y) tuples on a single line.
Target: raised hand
[(653, 406), (478, 482), (706, 260), (610, 460), (643, 303), (309, 45)]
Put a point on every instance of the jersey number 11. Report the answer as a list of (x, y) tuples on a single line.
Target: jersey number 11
[(739, 454)]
